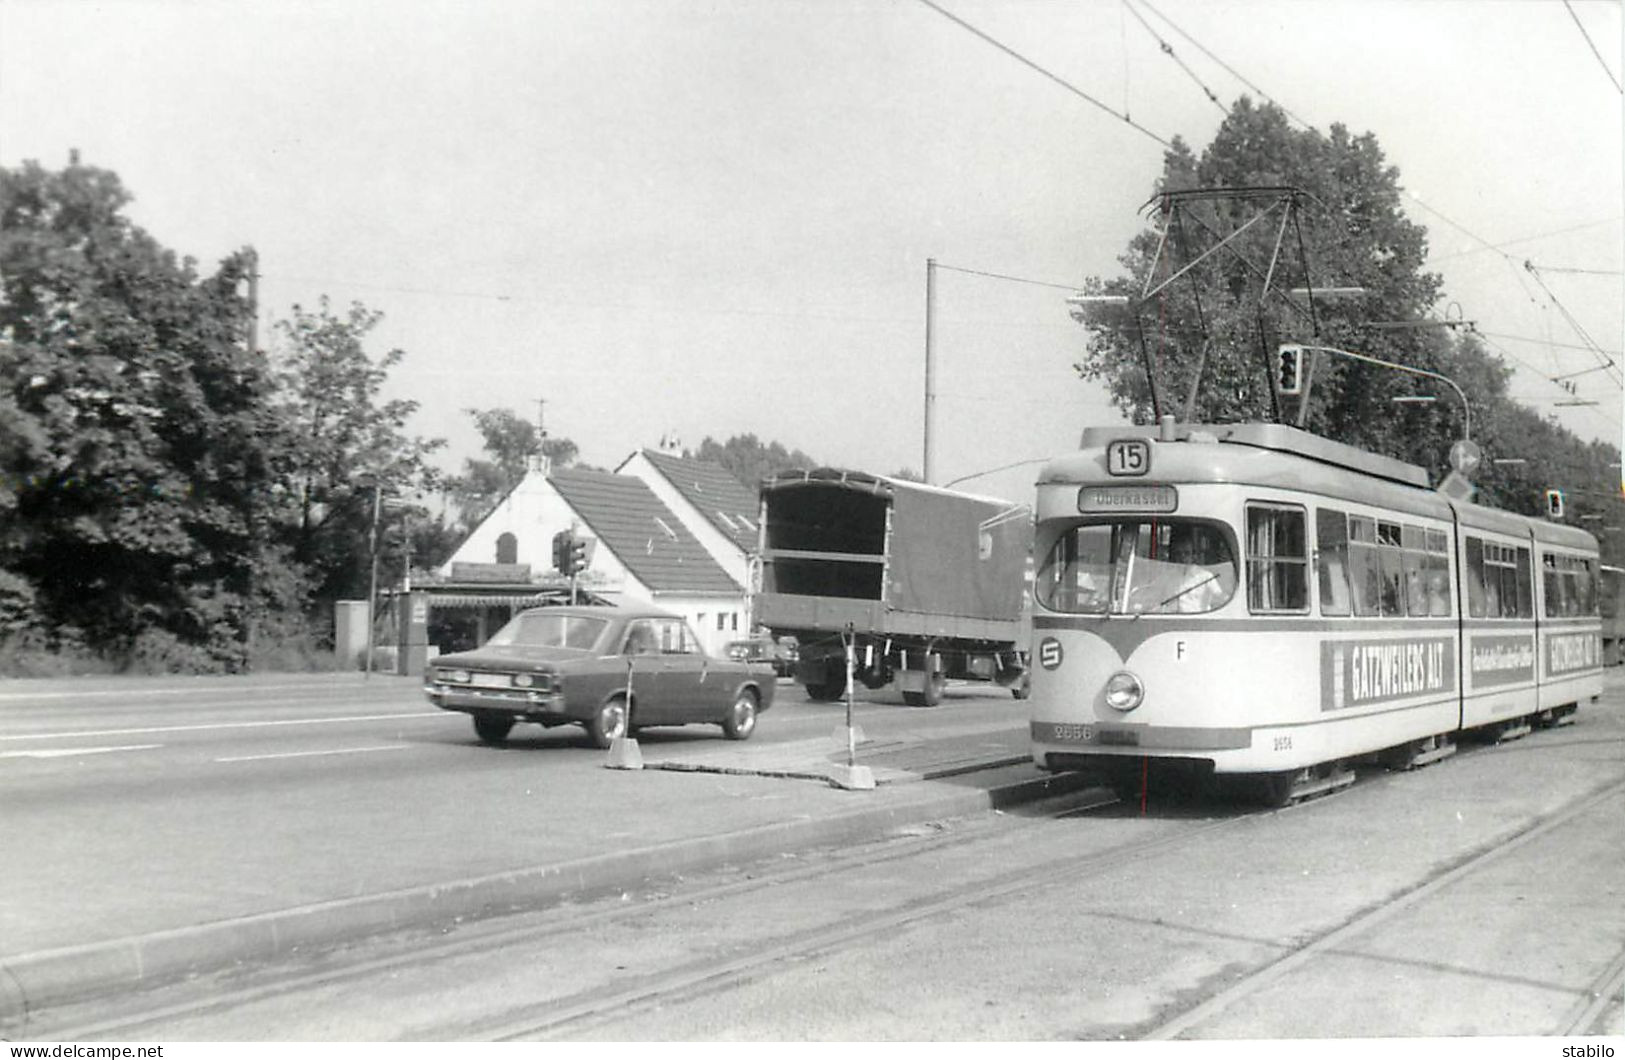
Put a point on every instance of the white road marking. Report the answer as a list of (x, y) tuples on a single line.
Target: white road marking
[(313, 686), (224, 725), (313, 754), (65, 752)]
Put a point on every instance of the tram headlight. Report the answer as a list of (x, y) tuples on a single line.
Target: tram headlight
[(1124, 691)]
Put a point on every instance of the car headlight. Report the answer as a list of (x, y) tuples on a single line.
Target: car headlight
[(457, 676), (1124, 691), (522, 681)]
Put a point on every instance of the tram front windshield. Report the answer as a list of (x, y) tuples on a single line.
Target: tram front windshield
[(1132, 567)]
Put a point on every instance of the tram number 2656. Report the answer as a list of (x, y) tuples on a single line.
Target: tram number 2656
[(1283, 743)]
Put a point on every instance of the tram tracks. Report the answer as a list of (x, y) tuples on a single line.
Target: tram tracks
[(598, 1008), (145, 1015), (1580, 1018)]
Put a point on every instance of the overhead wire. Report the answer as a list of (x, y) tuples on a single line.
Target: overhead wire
[(1484, 243), (1168, 50), (1600, 61), (1604, 359), (1226, 66), (1433, 259), (1075, 90)]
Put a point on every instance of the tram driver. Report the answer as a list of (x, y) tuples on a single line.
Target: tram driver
[(1181, 582)]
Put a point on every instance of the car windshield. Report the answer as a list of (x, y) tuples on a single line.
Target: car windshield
[(551, 631), (1133, 567)]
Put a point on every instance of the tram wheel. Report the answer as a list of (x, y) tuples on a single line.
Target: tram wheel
[(1275, 789)]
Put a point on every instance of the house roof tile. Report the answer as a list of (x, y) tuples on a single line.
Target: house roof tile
[(725, 502), (630, 521)]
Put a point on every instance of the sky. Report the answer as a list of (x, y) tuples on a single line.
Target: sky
[(713, 218)]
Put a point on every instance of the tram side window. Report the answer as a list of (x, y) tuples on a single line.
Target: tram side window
[(1499, 583), (1332, 540), (1390, 543), (1415, 561), (1277, 559), (1365, 566), (1525, 584), (1554, 586), (1570, 586), (1436, 569), (1477, 585)]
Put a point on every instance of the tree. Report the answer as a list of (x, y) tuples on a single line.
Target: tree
[(349, 444), (749, 460), (511, 441), (1354, 235), (136, 445)]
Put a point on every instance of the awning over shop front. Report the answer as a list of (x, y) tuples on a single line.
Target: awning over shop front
[(489, 599), (466, 598)]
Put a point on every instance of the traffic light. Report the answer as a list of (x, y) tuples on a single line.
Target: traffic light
[(1554, 503), (578, 555), (562, 552), (1289, 368)]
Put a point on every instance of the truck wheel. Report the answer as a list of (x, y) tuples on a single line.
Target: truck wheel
[(827, 693), (492, 728), (931, 695)]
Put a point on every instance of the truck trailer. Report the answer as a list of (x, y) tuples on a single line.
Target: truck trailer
[(926, 584)]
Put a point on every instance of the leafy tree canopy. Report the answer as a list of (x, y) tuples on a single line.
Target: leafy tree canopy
[(750, 460), (135, 446), (348, 441), (510, 441), (1210, 338)]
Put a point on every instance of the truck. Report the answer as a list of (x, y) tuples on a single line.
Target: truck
[(925, 584)]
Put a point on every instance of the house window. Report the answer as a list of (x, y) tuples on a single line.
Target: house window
[(722, 621), (507, 549)]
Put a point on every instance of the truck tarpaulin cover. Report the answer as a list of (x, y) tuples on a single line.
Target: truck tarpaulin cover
[(951, 553)]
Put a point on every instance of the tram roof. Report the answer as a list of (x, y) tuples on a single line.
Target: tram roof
[(1229, 453), (1273, 437)]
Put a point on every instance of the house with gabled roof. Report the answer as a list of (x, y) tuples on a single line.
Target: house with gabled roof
[(638, 549), (718, 509)]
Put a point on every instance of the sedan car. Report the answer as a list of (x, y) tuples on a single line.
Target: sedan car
[(608, 669)]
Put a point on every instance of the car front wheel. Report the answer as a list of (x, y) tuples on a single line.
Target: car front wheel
[(611, 721), (740, 721), (492, 728)]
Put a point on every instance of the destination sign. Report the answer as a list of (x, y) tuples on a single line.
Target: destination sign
[(1364, 672), (1094, 500)]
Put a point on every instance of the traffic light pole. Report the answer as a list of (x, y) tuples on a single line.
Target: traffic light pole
[(1466, 409)]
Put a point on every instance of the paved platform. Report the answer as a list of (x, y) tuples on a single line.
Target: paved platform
[(947, 751)]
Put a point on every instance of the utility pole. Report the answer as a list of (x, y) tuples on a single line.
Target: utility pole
[(930, 363), (372, 589), (252, 500), (253, 301)]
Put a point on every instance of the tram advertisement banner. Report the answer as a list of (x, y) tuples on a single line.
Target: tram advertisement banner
[(1568, 652), (1359, 673), (1503, 660)]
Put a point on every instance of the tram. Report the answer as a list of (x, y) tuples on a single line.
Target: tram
[(1254, 600)]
